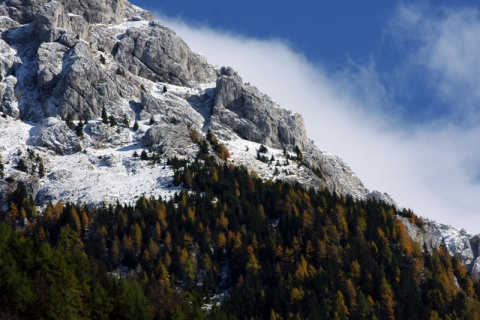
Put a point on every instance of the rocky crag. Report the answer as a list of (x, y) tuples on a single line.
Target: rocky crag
[(432, 235), (69, 62), (73, 59)]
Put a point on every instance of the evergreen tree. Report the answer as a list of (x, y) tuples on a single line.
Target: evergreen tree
[(69, 121), (104, 116), (126, 123), (112, 121), (41, 169), (2, 167), (79, 129), (22, 165), (291, 254), (135, 126), (299, 153), (144, 155)]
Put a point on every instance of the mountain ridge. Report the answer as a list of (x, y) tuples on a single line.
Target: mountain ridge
[(89, 57)]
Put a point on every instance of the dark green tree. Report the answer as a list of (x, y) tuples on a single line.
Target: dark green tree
[(104, 116), (2, 167), (22, 165), (69, 121), (144, 155), (79, 129), (112, 121)]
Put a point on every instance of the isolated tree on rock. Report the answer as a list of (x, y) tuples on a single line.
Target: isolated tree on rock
[(104, 116)]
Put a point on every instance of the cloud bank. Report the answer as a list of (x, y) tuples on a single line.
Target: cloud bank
[(433, 166)]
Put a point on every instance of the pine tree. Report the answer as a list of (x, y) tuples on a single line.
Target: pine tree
[(299, 153), (22, 166), (126, 124), (112, 121), (104, 116), (79, 129), (135, 126), (69, 121), (2, 167)]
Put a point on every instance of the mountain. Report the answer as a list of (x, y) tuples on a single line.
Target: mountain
[(80, 63), (104, 108)]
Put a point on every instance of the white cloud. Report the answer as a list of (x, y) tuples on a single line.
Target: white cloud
[(432, 168), (446, 49)]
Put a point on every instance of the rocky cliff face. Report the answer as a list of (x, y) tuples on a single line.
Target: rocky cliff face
[(459, 243), (92, 11), (72, 60)]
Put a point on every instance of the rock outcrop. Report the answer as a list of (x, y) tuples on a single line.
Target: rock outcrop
[(84, 58), (87, 57), (93, 11), (55, 135), (156, 53), (171, 140), (459, 243), (241, 108), (253, 115)]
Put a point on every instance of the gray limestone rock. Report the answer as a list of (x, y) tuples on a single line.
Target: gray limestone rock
[(254, 115), (134, 13), (459, 243), (93, 11), (22, 11), (50, 62), (7, 23), (80, 64), (55, 135), (171, 109), (98, 11), (81, 89), (100, 135), (156, 53), (174, 140), (49, 17), (9, 99)]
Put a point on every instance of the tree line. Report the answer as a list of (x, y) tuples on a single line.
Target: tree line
[(230, 246)]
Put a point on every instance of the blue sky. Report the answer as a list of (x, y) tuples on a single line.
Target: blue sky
[(392, 88)]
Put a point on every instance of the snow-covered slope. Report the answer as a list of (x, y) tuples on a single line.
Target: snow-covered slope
[(135, 70)]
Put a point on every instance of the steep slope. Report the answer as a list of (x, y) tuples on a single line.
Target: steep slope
[(86, 59), (66, 61), (98, 104), (459, 243)]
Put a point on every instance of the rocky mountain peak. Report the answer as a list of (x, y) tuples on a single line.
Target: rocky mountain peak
[(71, 62), (92, 11)]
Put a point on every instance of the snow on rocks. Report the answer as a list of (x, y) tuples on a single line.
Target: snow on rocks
[(93, 176), (105, 176), (459, 243)]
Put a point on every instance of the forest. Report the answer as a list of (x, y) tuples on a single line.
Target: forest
[(230, 246)]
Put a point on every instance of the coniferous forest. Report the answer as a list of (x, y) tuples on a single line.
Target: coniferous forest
[(232, 247)]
